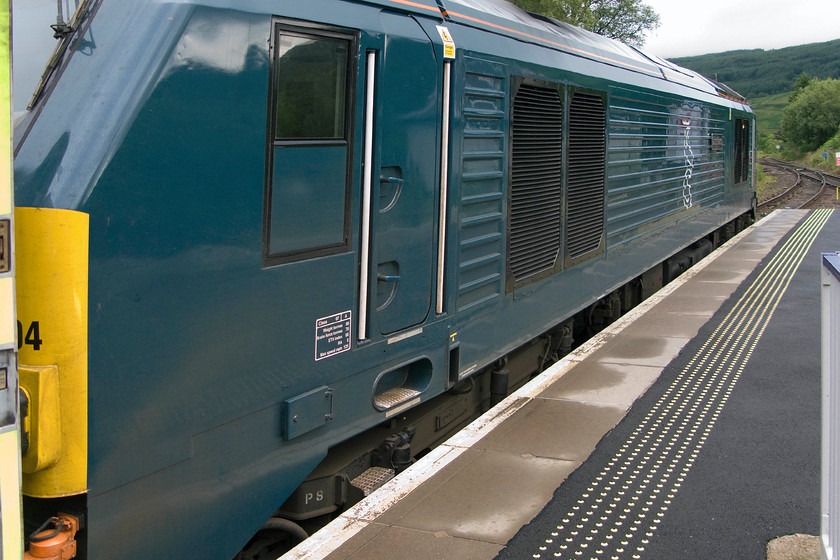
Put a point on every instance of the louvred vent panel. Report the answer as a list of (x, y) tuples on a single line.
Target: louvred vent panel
[(587, 163), (536, 180)]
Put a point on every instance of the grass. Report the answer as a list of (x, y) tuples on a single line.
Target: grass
[(763, 183), (768, 116), (768, 112)]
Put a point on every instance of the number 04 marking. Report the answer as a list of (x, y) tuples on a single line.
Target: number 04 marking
[(33, 335)]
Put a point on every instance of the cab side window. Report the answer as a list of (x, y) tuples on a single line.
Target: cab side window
[(311, 87)]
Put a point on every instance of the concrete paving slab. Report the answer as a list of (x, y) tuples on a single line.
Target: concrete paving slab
[(435, 546), (490, 499), (688, 303), (641, 350), (758, 242), (410, 501), (722, 275), (600, 382), (558, 429), (357, 542), (673, 324), (737, 258)]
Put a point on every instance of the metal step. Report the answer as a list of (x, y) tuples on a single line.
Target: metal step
[(393, 397), (371, 479)]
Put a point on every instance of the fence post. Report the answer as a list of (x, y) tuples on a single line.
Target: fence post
[(830, 493)]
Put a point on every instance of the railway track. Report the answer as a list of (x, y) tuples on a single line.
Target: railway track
[(799, 187)]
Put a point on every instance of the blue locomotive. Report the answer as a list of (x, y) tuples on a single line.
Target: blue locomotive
[(270, 252)]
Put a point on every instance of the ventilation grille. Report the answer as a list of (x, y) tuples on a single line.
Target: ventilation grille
[(587, 160), (742, 150), (648, 159), (483, 171), (536, 180), (738, 149)]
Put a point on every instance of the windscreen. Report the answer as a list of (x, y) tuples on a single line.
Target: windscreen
[(32, 44)]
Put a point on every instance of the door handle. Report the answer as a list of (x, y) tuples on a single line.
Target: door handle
[(390, 187)]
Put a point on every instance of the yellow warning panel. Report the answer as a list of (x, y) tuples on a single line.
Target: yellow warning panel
[(52, 302)]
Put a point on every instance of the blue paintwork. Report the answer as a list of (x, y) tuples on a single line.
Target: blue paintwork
[(304, 217), (157, 129)]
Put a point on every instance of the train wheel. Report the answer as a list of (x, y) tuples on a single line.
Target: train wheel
[(277, 537)]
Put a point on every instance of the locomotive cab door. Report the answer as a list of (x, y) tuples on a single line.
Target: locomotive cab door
[(402, 76)]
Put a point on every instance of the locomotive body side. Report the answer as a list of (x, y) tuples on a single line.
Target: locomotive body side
[(655, 131), (264, 193)]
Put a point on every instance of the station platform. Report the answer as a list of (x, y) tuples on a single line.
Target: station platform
[(690, 428)]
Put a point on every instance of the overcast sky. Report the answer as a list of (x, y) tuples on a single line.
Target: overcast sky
[(689, 27)]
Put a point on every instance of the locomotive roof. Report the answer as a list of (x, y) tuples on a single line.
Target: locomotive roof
[(504, 18)]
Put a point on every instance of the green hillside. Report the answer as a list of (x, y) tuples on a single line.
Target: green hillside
[(758, 73), (768, 112)]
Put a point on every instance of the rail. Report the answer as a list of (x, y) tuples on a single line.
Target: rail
[(821, 178), (795, 193), (786, 191), (830, 493)]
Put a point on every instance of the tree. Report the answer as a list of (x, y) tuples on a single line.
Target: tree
[(624, 20), (802, 82), (814, 115), (575, 12)]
